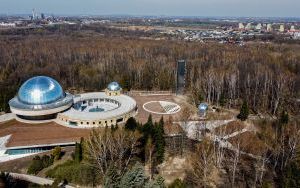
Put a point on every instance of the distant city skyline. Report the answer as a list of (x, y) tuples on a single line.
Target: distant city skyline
[(230, 8)]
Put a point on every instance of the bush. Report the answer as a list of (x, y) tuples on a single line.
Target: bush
[(56, 152), (74, 172), (178, 183), (134, 177), (39, 164)]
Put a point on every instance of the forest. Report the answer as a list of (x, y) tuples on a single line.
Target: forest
[(265, 74)]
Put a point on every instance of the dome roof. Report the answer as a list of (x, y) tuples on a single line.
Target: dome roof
[(113, 86), (40, 90), (203, 107)]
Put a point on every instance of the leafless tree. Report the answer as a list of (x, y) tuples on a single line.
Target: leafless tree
[(106, 149)]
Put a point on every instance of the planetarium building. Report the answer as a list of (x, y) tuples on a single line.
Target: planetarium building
[(40, 98)]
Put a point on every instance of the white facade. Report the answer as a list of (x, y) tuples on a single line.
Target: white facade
[(269, 28), (112, 110), (241, 26)]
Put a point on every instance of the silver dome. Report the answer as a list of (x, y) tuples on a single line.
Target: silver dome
[(113, 86), (40, 90)]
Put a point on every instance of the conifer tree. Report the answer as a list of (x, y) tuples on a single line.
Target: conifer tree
[(160, 141), (134, 177), (244, 112), (78, 151), (131, 124), (284, 118), (222, 100)]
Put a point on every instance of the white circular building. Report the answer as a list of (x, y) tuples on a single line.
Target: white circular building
[(100, 108), (40, 98)]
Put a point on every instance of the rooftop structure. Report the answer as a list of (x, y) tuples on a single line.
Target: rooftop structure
[(40, 97), (99, 109), (40, 90), (113, 89), (203, 107)]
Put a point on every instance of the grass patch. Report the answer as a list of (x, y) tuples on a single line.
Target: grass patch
[(74, 172)]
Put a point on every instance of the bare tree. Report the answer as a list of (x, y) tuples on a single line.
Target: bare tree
[(107, 149), (203, 163)]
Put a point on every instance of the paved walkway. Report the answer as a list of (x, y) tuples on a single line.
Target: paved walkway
[(7, 117), (34, 179), (3, 141), (235, 133), (193, 129)]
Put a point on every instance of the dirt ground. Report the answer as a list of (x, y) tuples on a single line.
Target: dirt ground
[(173, 168)]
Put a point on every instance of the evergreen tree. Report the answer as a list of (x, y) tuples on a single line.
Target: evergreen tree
[(159, 141), (134, 178), (149, 121), (244, 112), (131, 124), (222, 100), (147, 130), (284, 118), (78, 151), (112, 178)]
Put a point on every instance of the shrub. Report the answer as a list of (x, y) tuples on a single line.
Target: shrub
[(56, 152), (177, 183), (134, 177), (73, 172), (35, 166), (39, 164)]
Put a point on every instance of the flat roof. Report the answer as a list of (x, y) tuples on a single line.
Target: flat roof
[(127, 104)]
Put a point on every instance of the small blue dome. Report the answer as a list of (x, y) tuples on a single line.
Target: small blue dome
[(40, 90), (113, 86), (203, 107)]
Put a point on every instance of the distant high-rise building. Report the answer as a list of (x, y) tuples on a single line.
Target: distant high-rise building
[(248, 26), (43, 16), (281, 28), (241, 26), (292, 28), (33, 14), (269, 27), (258, 26)]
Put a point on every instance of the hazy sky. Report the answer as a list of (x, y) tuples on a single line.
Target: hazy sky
[(273, 8)]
